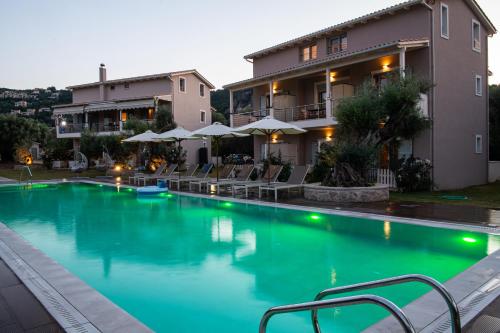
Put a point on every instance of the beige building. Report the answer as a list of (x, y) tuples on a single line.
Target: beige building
[(103, 107)]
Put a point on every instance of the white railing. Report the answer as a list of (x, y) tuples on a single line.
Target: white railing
[(383, 177)]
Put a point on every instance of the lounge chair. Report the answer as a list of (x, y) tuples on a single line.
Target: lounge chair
[(223, 174), (189, 172), (169, 172), (270, 176), (296, 180), (139, 175), (205, 170), (242, 176)]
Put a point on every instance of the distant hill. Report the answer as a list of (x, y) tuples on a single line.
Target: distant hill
[(33, 103)]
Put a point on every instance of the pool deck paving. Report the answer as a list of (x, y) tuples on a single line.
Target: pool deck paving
[(21, 311)]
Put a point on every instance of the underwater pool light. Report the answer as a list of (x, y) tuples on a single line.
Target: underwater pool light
[(227, 204), (469, 240), (314, 217)]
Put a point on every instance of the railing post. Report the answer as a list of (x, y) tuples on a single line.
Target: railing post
[(402, 62), (328, 104)]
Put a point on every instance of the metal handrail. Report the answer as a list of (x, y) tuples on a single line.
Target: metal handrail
[(302, 112), (340, 302), (29, 172), (452, 305)]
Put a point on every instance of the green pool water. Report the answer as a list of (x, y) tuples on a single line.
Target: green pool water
[(187, 264)]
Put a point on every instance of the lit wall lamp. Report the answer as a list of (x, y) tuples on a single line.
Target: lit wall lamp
[(63, 123), (333, 76), (386, 67), (275, 87), (274, 138)]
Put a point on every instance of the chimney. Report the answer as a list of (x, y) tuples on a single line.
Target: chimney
[(102, 73), (102, 79)]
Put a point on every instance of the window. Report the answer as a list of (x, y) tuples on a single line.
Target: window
[(202, 90), (203, 116), (112, 87), (445, 21), (479, 85), (479, 144), (309, 53), (338, 44), (476, 36), (126, 85), (182, 84)]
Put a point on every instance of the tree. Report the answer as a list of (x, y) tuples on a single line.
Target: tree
[(220, 101), (371, 120), (219, 117), (16, 132), (495, 123), (164, 119)]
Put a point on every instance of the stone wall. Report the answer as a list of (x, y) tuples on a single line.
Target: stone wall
[(346, 194)]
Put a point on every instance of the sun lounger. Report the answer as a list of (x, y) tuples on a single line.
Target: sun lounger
[(296, 180), (225, 173), (205, 170), (270, 176), (243, 175), (169, 172), (189, 172), (139, 175)]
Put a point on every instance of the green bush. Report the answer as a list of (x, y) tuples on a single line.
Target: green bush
[(92, 146), (414, 175)]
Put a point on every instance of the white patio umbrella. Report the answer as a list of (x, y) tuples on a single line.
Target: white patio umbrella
[(269, 126), (217, 131), (178, 135), (148, 136)]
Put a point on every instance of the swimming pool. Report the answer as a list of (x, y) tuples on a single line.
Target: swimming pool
[(185, 264)]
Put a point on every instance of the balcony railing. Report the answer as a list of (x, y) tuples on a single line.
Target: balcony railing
[(243, 118), (70, 128), (301, 112), (104, 127)]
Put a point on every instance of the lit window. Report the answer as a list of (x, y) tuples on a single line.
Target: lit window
[(202, 116), (476, 36), (338, 44), (182, 84), (309, 53), (479, 144), (479, 85), (445, 24), (202, 90)]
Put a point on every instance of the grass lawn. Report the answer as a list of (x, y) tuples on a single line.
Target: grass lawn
[(44, 174), (487, 196)]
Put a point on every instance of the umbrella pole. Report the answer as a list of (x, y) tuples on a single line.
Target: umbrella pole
[(217, 157), (179, 163), (268, 158)]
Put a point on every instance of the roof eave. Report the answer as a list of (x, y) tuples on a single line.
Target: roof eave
[(348, 24)]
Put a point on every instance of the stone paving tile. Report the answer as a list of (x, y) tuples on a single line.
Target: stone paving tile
[(28, 311), (7, 277)]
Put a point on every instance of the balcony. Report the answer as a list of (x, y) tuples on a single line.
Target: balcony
[(74, 130)]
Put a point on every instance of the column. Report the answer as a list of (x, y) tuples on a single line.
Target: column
[(271, 97), (328, 106), (120, 128), (86, 116), (402, 62), (231, 110)]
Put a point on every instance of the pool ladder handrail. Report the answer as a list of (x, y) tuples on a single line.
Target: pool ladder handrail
[(339, 302), (452, 305), (28, 180)]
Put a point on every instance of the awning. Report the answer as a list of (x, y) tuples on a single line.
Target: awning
[(105, 106), (70, 109), (126, 105)]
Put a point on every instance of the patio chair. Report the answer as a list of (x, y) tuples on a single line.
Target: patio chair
[(138, 175), (242, 176), (225, 173), (271, 175), (205, 170), (168, 172), (296, 180)]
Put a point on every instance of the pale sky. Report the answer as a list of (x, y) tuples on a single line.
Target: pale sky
[(61, 42)]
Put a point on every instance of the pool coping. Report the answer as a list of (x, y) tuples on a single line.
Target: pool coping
[(75, 305), (78, 307)]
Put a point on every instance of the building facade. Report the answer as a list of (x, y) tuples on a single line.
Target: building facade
[(444, 42), (103, 107)]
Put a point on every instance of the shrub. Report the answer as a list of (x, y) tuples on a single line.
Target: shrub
[(413, 175)]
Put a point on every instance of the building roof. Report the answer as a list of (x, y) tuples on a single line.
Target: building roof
[(168, 75), (363, 20), (338, 58), (122, 104)]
